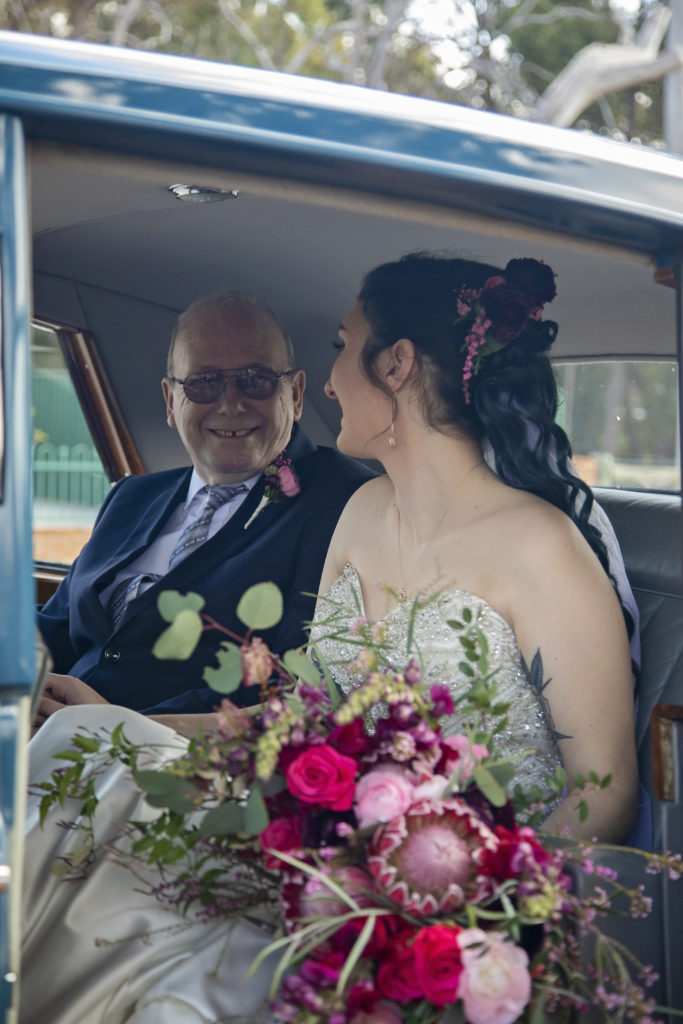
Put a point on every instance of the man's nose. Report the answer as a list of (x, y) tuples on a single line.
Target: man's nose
[(329, 390), (230, 398)]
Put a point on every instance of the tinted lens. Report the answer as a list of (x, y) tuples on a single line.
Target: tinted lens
[(204, 388), (257, 383), (253, 383)]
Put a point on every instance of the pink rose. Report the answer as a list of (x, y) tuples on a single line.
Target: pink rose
[(322, 776), (381, 795), (283, 835), (289, 485), (438, 963), (495, 984), (466, 755), (318, 899)]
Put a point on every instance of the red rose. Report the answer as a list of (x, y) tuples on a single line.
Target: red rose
[(438, 963), (322, 776), (351, 738), (283, 834), (518, 852), (345, 937), (397, 976)]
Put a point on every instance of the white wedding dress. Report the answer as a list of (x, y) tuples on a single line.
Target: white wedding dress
[(103, 952), (423, 630)]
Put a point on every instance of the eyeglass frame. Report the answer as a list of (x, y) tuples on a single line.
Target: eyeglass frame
[(274, 375)]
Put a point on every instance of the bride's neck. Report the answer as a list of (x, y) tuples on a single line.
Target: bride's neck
[(429, 473)]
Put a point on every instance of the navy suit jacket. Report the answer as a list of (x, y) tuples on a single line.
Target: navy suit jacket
[(286, 543)]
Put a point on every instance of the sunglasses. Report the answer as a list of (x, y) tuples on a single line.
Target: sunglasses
[(253, 382)]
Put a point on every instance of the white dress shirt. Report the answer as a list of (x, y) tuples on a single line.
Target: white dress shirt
[(155, 559)]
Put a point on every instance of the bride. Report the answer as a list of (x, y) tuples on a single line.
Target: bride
[(442, 376), (442, 369)]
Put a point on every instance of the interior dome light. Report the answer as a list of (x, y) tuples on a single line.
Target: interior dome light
[(202, 193)]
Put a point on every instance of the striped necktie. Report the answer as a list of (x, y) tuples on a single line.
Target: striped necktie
[(125, 591), (191, 537), (197, 532)]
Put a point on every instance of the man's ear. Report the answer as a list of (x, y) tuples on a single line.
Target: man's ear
[(167, 388), (298, 388), (398, 363)]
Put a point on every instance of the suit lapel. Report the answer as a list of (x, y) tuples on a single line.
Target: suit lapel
[(145, 528), (232, 538)]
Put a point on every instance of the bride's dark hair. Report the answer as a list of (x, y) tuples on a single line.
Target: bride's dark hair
[(510, 400)]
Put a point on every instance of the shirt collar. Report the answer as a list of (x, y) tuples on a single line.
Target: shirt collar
[(196, 484)]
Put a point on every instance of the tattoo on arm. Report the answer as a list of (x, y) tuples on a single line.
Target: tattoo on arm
[(534, 677)]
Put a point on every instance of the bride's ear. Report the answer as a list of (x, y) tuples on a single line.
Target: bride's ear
[(398, 363)]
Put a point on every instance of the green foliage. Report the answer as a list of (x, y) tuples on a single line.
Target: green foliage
[(261, 606), (228, 676), (164, 790), (171, 602), (179, 641), (300, 666)]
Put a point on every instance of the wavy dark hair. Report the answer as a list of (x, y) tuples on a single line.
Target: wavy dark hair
[(511, 401)]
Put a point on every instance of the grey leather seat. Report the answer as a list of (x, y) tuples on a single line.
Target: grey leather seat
[(648, 527)]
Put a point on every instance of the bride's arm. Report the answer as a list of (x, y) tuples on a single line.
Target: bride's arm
[(565, 607)]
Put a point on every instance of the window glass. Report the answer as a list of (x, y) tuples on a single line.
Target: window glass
[(622, 420), (69, 482)]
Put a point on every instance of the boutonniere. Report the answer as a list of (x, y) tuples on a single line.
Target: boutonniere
[(281, 482)]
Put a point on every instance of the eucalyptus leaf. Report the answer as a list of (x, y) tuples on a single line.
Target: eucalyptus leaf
[(162, 790), (503, 773), (170, 602), (223, 820), (261, 606), (179, 640), (256, 815), (86, 743), (491, 789), (228, 676), (301, 667)]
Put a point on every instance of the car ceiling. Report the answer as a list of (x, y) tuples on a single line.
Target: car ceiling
[(116, 253)]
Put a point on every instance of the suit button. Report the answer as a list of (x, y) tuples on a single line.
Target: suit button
[(112, 655)]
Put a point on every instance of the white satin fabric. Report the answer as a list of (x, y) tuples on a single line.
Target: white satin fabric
[(153, 966)]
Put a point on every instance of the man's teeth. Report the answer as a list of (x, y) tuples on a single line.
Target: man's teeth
[(233, 433)]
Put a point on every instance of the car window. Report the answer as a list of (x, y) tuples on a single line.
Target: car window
[(69, 480), (622, 419)]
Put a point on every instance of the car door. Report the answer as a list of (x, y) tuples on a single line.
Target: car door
[(17, 637)]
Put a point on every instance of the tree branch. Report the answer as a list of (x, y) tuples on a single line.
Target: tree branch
[(520, 20), (261, 53), (600, 68)]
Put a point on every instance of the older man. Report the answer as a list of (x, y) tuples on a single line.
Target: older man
[(234, 395)]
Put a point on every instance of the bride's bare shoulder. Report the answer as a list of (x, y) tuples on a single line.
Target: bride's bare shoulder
[(373, 496)]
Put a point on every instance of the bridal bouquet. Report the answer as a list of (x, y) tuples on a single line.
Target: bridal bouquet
[(412, 884)]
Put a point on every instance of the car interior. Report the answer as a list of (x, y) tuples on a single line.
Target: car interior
[(119, 249)]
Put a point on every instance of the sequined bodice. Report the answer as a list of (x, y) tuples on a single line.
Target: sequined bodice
[(422, 630)]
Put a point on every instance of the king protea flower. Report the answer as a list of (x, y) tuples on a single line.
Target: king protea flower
[(427, 859)]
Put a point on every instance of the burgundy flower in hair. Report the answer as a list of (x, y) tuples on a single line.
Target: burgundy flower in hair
[(502, 309)]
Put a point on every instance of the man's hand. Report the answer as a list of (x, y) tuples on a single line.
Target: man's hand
[(61, 692)]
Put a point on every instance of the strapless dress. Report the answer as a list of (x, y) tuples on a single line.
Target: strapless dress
[(420, 629)]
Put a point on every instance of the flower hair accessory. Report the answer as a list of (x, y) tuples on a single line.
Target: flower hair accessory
[(281, 482), (501, 309)]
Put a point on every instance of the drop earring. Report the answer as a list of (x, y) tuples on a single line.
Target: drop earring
[(394, 414)]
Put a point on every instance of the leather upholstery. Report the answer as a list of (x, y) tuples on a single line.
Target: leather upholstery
[(648, 527)]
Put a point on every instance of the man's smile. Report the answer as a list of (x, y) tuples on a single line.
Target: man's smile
[(244, 432)]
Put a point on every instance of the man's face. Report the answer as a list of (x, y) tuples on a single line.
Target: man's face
[(234, 437)]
